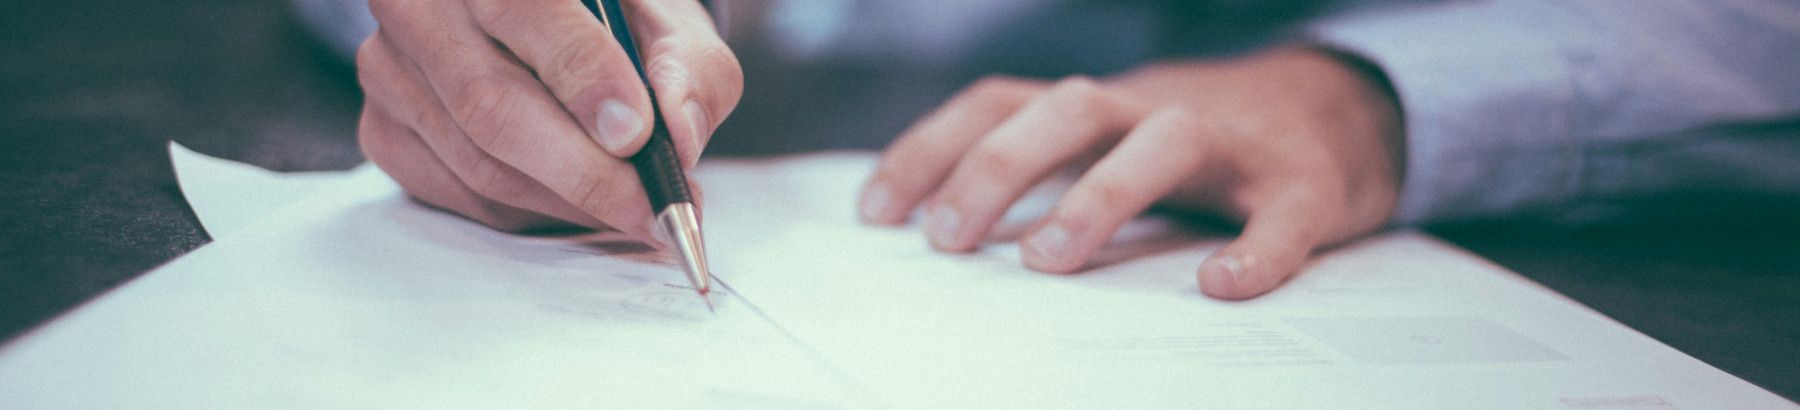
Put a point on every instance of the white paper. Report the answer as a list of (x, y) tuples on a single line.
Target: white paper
[(228, 196), (360, 298)]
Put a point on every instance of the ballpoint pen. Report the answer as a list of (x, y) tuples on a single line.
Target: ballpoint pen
[(659, 167)]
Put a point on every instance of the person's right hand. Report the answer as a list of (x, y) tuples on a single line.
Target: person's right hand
[(521, 114)]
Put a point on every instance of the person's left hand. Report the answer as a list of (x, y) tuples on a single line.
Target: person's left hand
[(1294, 142)]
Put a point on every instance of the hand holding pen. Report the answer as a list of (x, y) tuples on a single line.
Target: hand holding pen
[(524, 115)]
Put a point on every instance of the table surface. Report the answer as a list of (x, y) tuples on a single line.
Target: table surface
[(91, 91)]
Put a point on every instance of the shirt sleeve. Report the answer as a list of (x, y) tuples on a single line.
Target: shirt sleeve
[(1558, 107)]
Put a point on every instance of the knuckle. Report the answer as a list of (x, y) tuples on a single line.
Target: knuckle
[(992, 90), (719, 57), (1177, 129), (488, 178), (669, 73), (485, 110), (375, 143), (595, 198), (365, 52), (992, 163), (1097, 199), (497, 14), (374, 66), (684, 64), (899, 171), (988, 97), (571, 61), (1076, 98), (430, 123), (920, 147)]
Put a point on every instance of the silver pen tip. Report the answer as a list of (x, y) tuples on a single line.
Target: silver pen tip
[(683, 227)]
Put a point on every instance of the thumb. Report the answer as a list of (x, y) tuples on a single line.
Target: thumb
[(1275, 244)]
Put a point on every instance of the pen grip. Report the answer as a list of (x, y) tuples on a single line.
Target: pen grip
[(659, 167)]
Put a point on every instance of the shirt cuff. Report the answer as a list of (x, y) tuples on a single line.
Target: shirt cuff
[(1487, 91)]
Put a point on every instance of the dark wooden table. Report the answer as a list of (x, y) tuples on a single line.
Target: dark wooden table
[(90, 92)]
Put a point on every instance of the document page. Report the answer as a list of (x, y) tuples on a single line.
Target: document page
[(359, 297)]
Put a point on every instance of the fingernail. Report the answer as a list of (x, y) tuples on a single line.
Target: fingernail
[(875, 202), (943, 224), (698, 125), (617, 125), (1049, 243), (1232, 266)]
